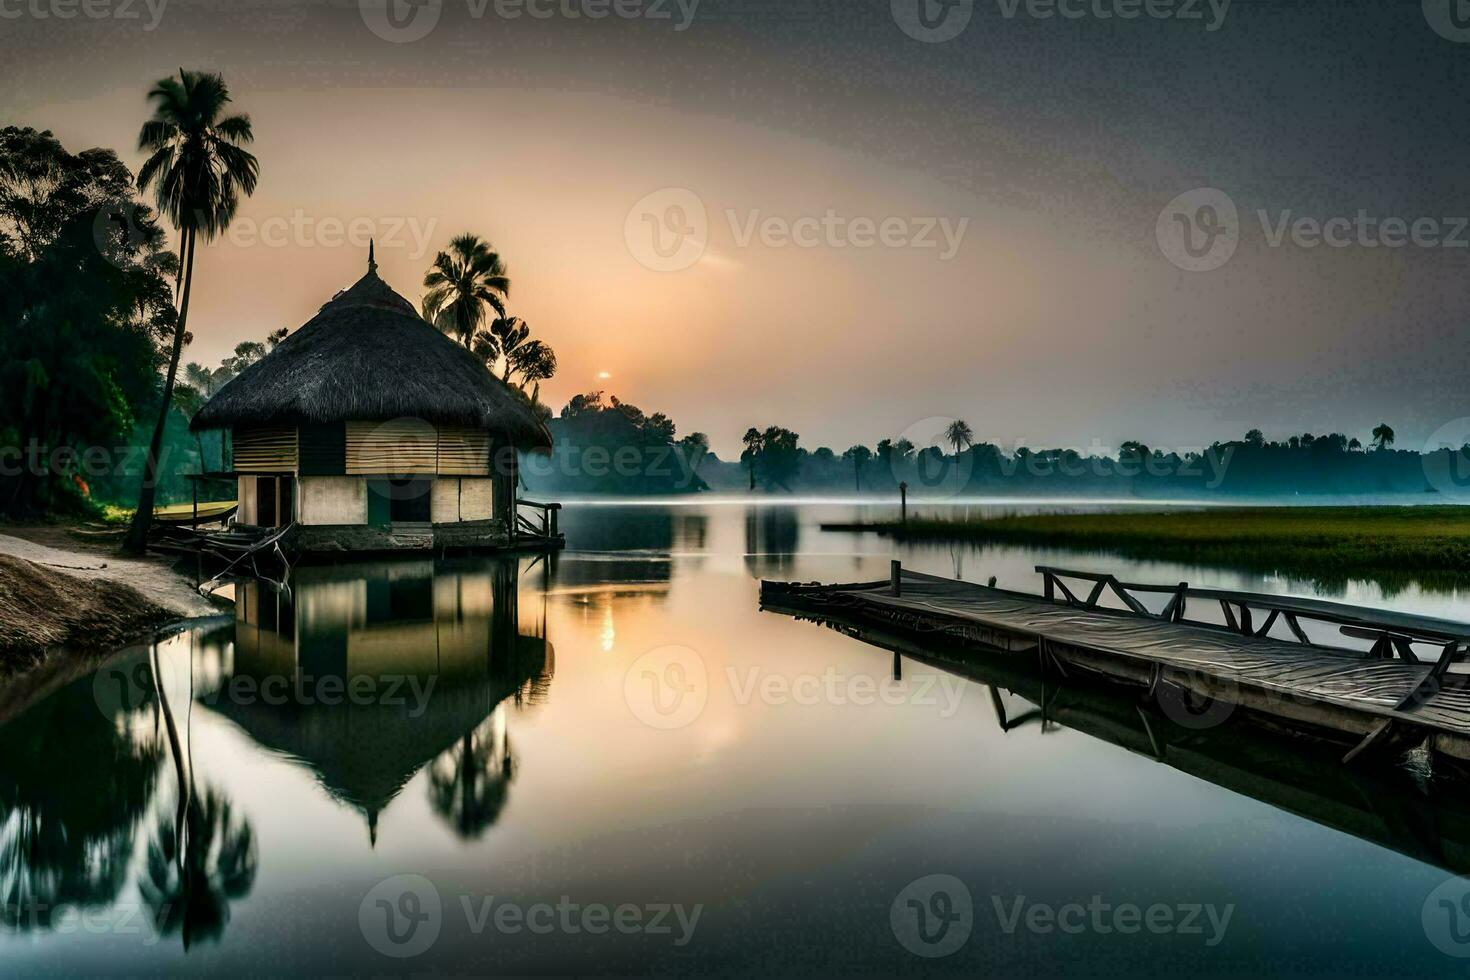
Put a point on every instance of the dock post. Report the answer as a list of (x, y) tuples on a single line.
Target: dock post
[(903, 505), (895, 571)]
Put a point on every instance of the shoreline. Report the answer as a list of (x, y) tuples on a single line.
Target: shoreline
[(1327, 543), (65, 606)]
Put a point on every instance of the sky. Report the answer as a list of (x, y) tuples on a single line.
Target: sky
[(1069, 223)]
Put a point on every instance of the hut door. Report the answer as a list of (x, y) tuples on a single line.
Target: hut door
[(274, 503)]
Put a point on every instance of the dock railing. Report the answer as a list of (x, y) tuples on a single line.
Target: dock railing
[(1392, 633), (545, 528)]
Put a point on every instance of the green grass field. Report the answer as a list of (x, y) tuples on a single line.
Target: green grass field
[(1329, 543)]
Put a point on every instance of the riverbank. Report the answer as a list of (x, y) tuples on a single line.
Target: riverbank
[(80, 596), (1329, 543)]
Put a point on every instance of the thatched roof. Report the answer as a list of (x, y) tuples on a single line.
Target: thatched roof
[(369, 356)]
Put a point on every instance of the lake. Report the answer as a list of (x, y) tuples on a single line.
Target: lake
[(613, 762)]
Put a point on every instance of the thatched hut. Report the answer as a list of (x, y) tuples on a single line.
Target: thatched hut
[(370, 430)]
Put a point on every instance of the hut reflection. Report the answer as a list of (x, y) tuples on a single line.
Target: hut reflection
[(366, 674)]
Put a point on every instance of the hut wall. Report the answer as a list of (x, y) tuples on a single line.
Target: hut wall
[(462, 499), (333, 500)]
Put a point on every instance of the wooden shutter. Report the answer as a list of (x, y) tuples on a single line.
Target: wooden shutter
[(398, 447), (265, 449), (463, 451)]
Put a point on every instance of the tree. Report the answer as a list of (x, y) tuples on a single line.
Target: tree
[(959, 435), (461, 283), (470, 784), (858, 456), (695, 447), (535, 362), (779, 456), (752, 441), (1354, 445), (1382, 436), (198, 171), (84, 311), (1255, 439)]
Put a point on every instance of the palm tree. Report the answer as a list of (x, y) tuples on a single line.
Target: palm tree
[(959, 435), (859, 456), (198, 172), (189, 880), (461, 283), (753, 444), (535, 362), (469, 785), (1382, 435), (509, 333)]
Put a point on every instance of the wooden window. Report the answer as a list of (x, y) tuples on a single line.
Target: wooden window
[(265, 449)]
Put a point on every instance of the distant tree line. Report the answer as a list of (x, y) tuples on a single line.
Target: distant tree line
[(773, 460)]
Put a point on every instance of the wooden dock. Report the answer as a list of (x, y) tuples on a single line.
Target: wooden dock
[(1386, 683)]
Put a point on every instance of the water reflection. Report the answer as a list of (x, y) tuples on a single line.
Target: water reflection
[(66, 833), (365, 674)]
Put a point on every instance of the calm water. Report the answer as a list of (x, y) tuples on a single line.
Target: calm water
[(614, 763)]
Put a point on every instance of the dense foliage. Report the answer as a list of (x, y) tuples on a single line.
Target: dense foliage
[(604, 445), (85, 304)]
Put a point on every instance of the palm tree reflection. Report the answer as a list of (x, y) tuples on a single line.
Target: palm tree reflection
[(470, 783), (189, 888)]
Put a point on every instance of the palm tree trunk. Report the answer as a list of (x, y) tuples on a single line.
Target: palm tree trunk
[(184, 780), (136, 541)]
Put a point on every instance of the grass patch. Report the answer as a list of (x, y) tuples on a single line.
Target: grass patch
[(1330, 544)]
